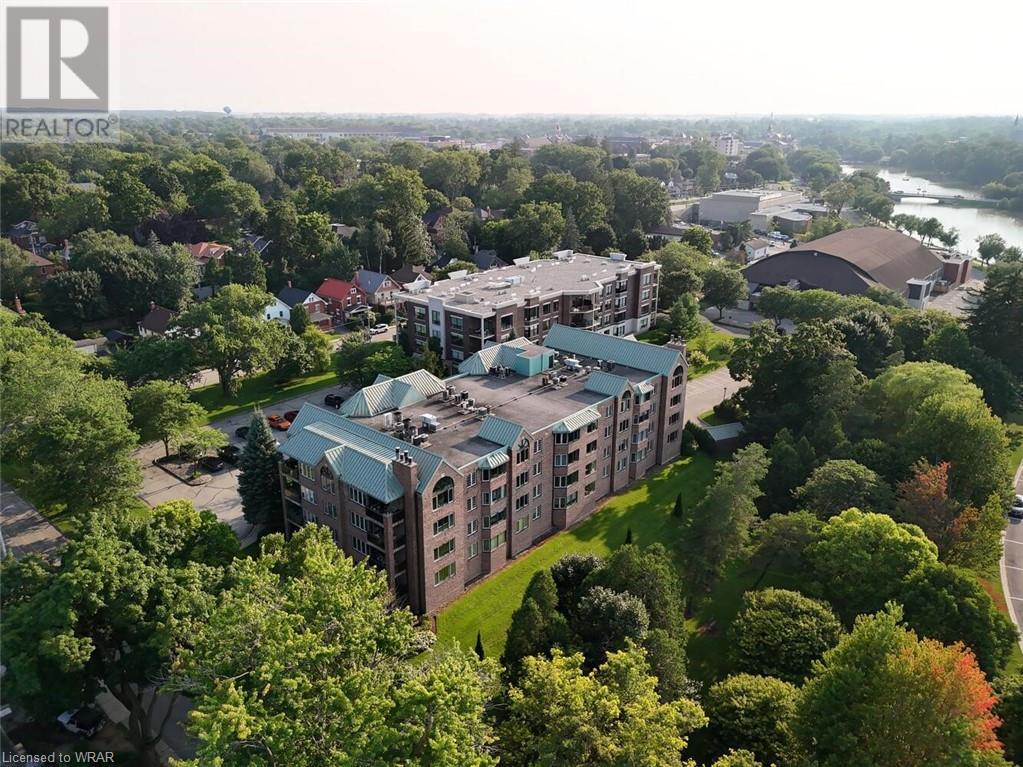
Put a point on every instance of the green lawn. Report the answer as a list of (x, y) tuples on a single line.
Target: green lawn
[(645, 508), (711, 418), (716, 344), (17, 476), (259, 390)]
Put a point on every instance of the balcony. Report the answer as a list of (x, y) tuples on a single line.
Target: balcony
[(582, 306), (293, 494), (621, 287)]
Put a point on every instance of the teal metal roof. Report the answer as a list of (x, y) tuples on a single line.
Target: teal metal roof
[(643, 388), (597, 346), (576, 420), (392, 393), (504, 354), (316, 431), (499, 430), (607, 384), (493, 460)]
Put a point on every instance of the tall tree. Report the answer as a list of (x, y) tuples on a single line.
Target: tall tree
[(303, 616), (723, 287), (161, 408), (754, 713), (837, 485), (258, 480), (996, 317)]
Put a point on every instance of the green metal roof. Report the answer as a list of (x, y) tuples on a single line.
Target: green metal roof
[(392, 393), (597, 346), (504, 354), (643, 388), (316, 431), (607, 384), (493, 460), (499, 430), (576, 421)]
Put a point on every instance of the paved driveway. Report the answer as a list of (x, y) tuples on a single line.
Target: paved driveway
[(1012, 561), (23, 530), (705, 392)]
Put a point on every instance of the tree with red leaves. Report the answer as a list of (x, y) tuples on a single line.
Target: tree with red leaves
[(884, 698)]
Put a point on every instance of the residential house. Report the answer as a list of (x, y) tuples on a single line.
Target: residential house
[(344, 300), (278, 311), (412, 278), (257, 242), (156, 322), (379, 288), (434, 220), (344, 231), (204, 252), (756, 249), (315, 306), (439, 483)]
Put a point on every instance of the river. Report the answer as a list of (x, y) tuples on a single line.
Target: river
[(971, 222)]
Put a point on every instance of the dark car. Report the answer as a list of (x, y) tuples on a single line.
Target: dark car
[(85, 721), (291, 415), (333, 400), (211, 463), (241, 432), (230, 453)]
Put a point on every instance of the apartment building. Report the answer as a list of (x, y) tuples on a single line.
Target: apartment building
[(441, 482), (466, 312)]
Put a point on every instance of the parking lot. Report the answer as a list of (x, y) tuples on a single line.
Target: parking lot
[(220, 493)]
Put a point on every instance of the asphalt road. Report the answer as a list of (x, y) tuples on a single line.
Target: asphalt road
[(1012, 562)]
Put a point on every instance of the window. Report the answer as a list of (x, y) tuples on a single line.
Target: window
[(456, 339), (607, 411), (493, 519), (522, 479), (435, 317), (605, 471), (680, 374), (359, 545), (592, 447), (573, 456), (589, 488), (591, 427), (470, 480), (357, 495), (537, 446), (443, 574), (522, 502), (444, 549), (626, 402), (623, 446), (523, 453), (672, 436), (486, 498), (331, 510), (590, 468), (624, 426), (443, 492), (555, 306), (563, 438), (309, 472), (308, 495), (607, 430), (648, 278), (359, 521), (675, 400), (521, 524), (420, 312), (420, 329), (537, 512), (498, 493), (326, 480), (537, 469), (564, 503), (443, 524), (674, 418), (457, 355), (472, 527), (474, 549), (607, 451), (568, 479), (537, 491), (561, 460), (492, 544), (470, 503), (645, 295), (486, 474), (622, 463), (334, 536)]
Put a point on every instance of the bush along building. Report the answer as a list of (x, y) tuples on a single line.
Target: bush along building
[(441, 482), (468, 311)]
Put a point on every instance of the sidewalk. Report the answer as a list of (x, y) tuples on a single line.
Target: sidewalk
[(23, 530)]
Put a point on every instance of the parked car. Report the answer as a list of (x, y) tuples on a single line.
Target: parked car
[(291, 415), (211, 463), (277, 421), (378, 329), (1016, 509), (85, 721), (333, 400), (241, 432), (230, 453)]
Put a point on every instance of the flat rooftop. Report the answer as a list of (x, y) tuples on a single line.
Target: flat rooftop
[(524, 401), (483, 292)]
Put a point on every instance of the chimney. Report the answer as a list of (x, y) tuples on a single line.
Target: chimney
[(397, 453), (152, 305), (289, 283)]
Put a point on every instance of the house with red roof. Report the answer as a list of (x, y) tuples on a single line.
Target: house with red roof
[(344, 299), (204, 252)]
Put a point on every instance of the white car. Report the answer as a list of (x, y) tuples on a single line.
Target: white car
[(378, 329), (1016, 509), (85, 721)]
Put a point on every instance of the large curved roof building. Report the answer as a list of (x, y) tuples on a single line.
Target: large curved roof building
[(853, 260)]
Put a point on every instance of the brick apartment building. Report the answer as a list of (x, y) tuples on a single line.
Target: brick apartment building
[(608, 295), (440, 482)]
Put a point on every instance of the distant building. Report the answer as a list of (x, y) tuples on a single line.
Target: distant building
[(344, 299), (344, 231), (466, 312), (756, 249), (257, 242), (738, 205), (379, 288), (156, 322), (439, 483), (727, 144), (315, 306), (411, 277), (852, 261), (204, 252), (277, 311)]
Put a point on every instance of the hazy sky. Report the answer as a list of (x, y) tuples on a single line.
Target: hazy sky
[(599, 56)]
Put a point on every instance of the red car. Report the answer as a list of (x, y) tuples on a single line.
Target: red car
[(277, 421)]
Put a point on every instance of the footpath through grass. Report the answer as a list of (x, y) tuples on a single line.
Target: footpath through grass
[(645, 508), (260, 390)]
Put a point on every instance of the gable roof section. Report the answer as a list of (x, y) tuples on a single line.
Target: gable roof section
[(623, 351), (500, 431), (157, 319), (576, 421), (884, 255), (370, 281), (315, 431), (479, 364), (337, 289), (294, 296), (493, 460), (392, 393), (607, 384)]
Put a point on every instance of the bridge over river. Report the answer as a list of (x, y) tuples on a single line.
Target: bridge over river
[(944, 199)]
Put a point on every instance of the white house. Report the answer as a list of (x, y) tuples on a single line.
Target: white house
[(756, 249), (278, 311)]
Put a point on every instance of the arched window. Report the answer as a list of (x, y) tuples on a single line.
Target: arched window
[(626, 401), (443, 492), (678, 377), (326, 480)]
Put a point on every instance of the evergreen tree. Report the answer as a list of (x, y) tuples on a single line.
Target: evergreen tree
[(678, 511), (571, 238), (628, 537), (480, 652), (299, 319), (258, 482)]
